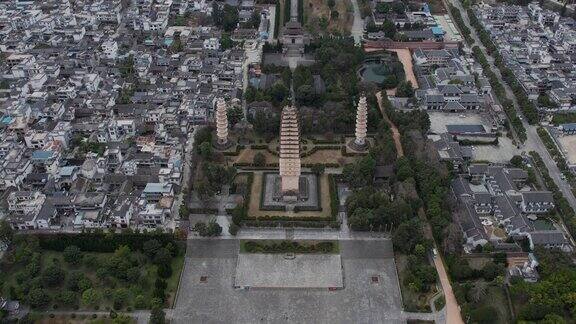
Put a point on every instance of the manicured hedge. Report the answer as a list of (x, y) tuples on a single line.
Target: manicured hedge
[(101, 242), (289, 247)]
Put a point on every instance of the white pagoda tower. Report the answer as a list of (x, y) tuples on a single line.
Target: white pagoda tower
[(361, 125), (221, 122), (289, 153)]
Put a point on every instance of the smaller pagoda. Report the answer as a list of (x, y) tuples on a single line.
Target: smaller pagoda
[(360, 143), (222, 141)]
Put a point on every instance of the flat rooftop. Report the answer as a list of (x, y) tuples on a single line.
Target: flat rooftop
[(465, 128), (278, 271)]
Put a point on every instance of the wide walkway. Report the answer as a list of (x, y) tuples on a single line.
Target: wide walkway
[(358, 24)]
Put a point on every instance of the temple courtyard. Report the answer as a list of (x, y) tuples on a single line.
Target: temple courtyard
[(370, 292)]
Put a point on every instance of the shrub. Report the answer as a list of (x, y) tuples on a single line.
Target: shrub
[(53, 275), (72, 255), (164, 270), (233, 229)]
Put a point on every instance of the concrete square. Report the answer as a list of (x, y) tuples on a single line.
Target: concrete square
[(217, 301), (278, 271)]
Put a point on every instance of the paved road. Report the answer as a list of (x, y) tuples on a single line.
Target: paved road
[(207, 248), (453, 315), (358, 24), (533, 142)]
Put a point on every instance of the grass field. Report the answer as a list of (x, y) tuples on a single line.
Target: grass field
[(247, 156), (315, 10)]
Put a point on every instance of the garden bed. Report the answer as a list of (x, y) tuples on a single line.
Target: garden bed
[(279, 246)]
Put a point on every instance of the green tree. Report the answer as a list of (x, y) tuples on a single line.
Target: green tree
[(91, 297), (230, 18), (235, 115), (279, 91), (119, 298), (403, 169), (150, 248), (157, 316), (176, 46), (133, 275), (140, 302), (226, 42), (205, 190), (206, 151), (38, 298), (233, 229), (164, 270), (484, 315), (331, 4), (122, 319), (163, 256), (72, 255), (212, 228), (407, 235), (382, 7), (516, 161), (478, 291), (405, 90), (388, 28), (398, 7), (67, 298), (53, 275), (361, 219), (6, 232), (552, 319), (77, 281)]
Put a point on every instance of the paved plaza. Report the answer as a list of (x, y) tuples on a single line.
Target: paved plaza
[(371, 293), (297, 271)]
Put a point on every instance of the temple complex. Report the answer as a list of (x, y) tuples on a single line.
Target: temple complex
[(289, 154)]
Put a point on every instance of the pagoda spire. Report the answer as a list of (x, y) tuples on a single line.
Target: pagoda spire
[(289, 151), (221, 122), (361, 122)]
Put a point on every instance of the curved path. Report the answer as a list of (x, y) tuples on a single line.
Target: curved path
[(453, 315), (395, 132)]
